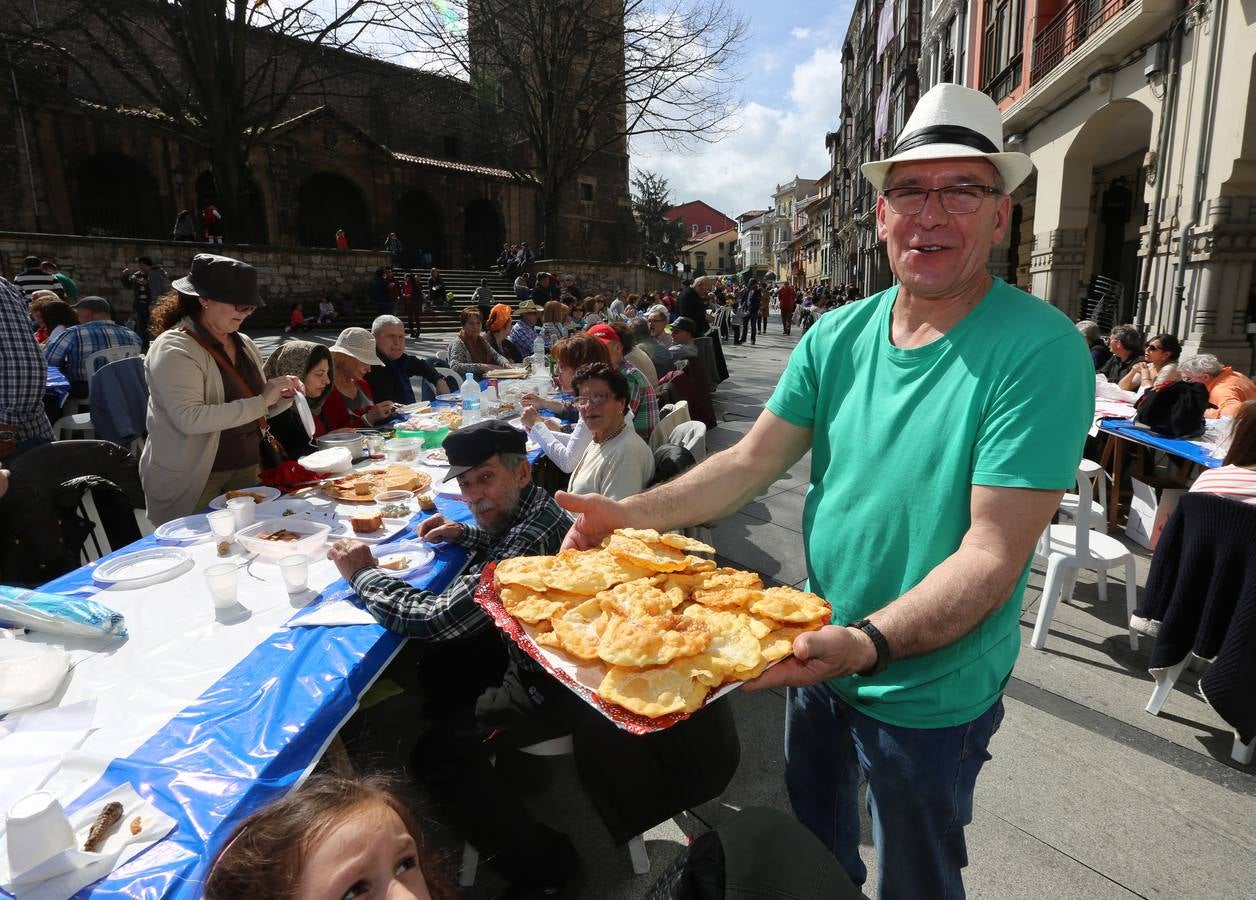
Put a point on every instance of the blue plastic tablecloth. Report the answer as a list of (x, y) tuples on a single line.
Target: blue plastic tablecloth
[(252, 735), (1188, 450), (58, 385)]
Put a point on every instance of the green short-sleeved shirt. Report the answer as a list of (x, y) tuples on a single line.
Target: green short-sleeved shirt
[(1003, 399)]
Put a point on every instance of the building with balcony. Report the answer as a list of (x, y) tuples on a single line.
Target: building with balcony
[(880, 86), (750, 258), (1138, 117), (779, 224), (943, 43)]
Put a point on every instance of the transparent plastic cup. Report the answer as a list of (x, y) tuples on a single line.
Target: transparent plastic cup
[(223, 581), (36, 829), (223, 523), (296, 572), (244, 510)]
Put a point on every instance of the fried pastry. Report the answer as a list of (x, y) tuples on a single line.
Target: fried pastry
[(654, 692), (651, 640), (785, 604)]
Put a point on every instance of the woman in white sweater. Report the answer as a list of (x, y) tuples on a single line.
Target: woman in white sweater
[(207, 394), (617, 463), (563, 449)]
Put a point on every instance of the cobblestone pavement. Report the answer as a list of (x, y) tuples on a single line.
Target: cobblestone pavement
[(1086, 795)]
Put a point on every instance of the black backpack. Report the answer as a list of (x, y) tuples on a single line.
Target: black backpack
[(1174, 410)]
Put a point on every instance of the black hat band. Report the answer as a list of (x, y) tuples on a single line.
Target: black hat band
[(946, 134)]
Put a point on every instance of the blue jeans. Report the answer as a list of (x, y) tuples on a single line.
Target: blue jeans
[(920, 790)]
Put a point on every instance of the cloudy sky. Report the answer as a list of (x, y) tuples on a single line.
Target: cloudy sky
[(791, 93)]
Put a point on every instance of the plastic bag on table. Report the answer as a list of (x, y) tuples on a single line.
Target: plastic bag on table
[(29, 674), (54, 614)]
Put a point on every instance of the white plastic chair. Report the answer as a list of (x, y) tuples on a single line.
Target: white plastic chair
[(559, 746), (662, 432), (1070, 548), (1094, 473), (691, 436), (1166, 679)]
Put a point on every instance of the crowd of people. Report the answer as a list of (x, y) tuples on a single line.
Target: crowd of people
[(902, 692), (1134, 362)]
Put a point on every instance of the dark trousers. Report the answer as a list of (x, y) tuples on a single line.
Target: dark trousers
[(787, 319), (455, 763), (141, 323), (750, 323)]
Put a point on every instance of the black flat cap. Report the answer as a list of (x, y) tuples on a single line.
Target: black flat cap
[(221, 278), (476, 444), (94, 303), (684, 323)]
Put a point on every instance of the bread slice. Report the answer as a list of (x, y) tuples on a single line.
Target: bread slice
[(366, 524)]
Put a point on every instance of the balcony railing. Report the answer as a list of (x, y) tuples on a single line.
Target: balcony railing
[(1007, 80), (1068, 30)]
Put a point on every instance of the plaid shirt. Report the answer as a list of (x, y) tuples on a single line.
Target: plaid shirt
[(641, 400), (23, 372), (70, 350), (538, 530)]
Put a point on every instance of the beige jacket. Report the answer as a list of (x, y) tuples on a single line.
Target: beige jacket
[(186, 412)]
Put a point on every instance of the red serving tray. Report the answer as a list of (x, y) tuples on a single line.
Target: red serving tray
[(488, 599)]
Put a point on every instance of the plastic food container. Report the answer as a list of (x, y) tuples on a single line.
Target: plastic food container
[(333, 461), (403, 449), (386, 499), (314, 536), (430, 431)]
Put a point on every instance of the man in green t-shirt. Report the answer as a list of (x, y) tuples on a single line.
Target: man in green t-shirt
[(945, 417)]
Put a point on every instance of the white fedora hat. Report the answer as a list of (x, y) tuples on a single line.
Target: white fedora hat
[(953, 121)]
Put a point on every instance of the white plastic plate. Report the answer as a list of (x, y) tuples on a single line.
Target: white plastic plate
[(266, 493), (416, 554), (187, 530), (392, 527), (143, 567)]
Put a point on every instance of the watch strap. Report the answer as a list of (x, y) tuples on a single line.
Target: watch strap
[(878, 641)]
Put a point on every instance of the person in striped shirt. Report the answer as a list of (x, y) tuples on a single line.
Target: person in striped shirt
[(1237, 477), (33, 278)]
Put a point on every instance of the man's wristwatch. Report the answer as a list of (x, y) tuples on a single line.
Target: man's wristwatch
[(878, 641)]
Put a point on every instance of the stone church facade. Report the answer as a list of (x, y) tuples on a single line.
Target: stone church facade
[(386, 152)]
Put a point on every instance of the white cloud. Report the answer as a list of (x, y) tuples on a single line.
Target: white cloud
[(800, 33), (766, 144)]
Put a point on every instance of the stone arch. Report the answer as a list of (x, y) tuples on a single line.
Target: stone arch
[(1104, 194), (1242, 178), (118, 197), (1111, 133), (327, 202), (420, 226), (483, 232)]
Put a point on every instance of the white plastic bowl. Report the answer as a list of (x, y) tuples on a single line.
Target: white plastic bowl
[(333, 461), (315, 536)]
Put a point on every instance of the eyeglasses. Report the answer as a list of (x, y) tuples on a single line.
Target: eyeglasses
[(238, 307), (1154, 347), (595, 400), (958, 199)]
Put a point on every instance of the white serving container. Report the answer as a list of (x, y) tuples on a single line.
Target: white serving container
[(315, 536)]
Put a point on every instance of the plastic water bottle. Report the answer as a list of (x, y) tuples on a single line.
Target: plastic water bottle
[(469, 393), (538, 355)]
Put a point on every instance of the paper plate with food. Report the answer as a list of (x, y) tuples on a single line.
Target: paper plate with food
[(369, 526), (405, 558), (260, 494), (364, 485), (643, 630)]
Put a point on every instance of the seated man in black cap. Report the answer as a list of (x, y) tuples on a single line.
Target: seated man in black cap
[(513, 517), (634, 781), (682, 345)]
